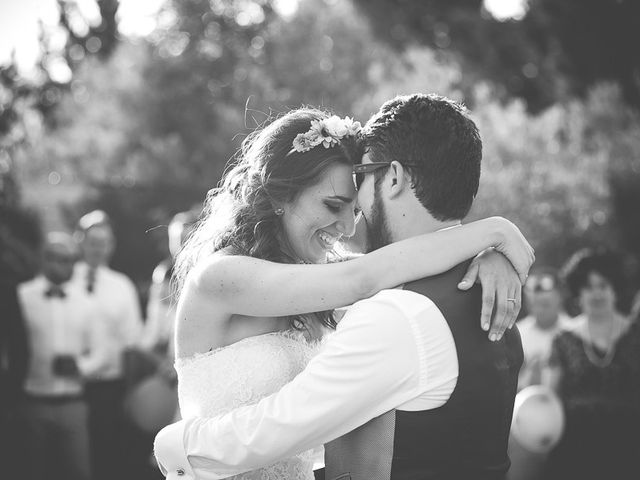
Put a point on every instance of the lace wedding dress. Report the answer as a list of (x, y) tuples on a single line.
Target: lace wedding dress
[(242, 373)]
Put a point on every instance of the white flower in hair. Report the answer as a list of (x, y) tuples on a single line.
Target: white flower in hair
[(306, 141), (353, 128), (317, 128), (335, 127), (327, 132)]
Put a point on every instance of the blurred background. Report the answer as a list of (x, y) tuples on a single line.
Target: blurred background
[(134, 108)]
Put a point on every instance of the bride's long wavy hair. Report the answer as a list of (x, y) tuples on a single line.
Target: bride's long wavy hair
[(239, 216)]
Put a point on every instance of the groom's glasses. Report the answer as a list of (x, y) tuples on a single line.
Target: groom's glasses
[(361, 169)]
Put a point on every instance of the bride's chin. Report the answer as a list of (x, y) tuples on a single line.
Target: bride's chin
[(320, 257)]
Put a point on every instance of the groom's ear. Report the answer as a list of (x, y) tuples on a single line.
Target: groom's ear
[(397, 178)]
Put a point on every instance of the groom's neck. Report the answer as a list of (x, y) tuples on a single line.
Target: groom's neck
[(416, 222)]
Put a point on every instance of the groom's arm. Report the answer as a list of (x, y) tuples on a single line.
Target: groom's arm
[(374, 362)]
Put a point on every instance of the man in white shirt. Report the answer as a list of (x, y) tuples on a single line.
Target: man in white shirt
[(66, 347), (408, 386), (543, 297), (115, 299)]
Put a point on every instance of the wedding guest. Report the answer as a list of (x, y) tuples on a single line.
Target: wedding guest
[(595, 369), (115, 298), (158, 330), (65, 340), (543, 299), (153, 361)]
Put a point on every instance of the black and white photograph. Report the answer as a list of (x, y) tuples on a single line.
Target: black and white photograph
[(320, 239)]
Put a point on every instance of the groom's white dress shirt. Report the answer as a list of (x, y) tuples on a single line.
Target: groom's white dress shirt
[(392, 351)]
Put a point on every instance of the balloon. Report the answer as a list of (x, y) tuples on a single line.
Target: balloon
[(151, 404), (538, 419)]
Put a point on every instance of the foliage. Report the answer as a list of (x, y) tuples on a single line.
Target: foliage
[(593, 41), (20, 238), (19, 226), (559, 48), (194, 83), (541, 172), (83, 38), (556, 174), (24, 106), (323, 57)]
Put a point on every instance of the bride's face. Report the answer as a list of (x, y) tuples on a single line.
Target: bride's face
[(321, 215)]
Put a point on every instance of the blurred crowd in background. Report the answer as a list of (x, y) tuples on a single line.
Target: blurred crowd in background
[(141, 127), (590, 359), (86, 383)]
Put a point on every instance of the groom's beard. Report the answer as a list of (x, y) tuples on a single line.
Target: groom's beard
[(378, 234)]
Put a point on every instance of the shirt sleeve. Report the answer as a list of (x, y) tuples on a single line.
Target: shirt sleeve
[(370, 365)]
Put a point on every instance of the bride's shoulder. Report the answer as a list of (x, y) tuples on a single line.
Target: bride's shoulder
[(218, 272)]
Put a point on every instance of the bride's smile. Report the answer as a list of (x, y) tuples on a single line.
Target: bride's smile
[(321, 215)]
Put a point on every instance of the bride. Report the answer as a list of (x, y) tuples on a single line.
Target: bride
[(260, 276)]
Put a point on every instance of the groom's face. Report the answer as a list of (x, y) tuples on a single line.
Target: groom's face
[(373, 211)]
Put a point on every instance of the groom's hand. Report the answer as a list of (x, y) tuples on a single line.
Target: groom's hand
[(501, 291)]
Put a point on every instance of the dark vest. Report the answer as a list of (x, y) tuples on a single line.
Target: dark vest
[(464, 439)]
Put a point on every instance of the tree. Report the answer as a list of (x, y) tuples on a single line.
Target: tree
[(84, 38), (19, 227), (557, 50), (598, 40), (25, 105)]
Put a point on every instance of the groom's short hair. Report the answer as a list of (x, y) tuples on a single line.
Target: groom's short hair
[(435, 134)]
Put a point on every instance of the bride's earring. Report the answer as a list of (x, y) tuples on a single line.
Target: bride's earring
[(279, 211)]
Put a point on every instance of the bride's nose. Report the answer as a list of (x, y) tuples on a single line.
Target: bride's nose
[(346, 223)]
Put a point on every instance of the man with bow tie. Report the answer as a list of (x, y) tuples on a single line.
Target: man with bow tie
[(66, 346)]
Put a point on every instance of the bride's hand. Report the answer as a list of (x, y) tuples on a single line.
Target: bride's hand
[(501, 291), (512, 244)]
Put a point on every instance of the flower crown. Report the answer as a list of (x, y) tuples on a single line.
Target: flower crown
[(327, 132)]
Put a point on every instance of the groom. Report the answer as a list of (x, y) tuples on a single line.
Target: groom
[(408, 387)]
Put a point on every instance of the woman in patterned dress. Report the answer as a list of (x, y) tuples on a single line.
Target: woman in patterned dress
[(595, 369)]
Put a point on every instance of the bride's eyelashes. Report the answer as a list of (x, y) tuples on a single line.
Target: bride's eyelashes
[(357, 211), (333, 208)]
